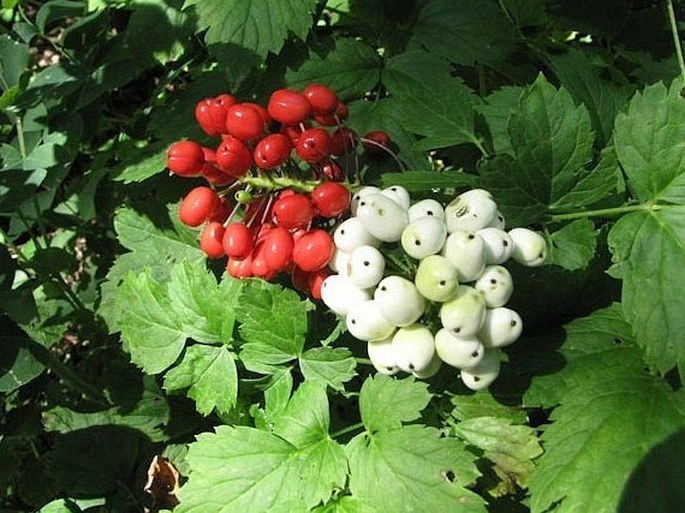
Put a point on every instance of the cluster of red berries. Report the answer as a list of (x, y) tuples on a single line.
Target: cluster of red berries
[(281, 163)]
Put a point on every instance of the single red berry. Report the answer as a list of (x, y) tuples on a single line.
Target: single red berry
[(341, 112), (185, 158), (278, 249), (222, 209), (332, 171), (375, 141), (197, 206), (262, 112), (210, 240), (315, 280), (233, 156), (244, 122), (210, 114), (259, 266), (272, 151), (343, 141), (323, 99), (331, 199), (288, 107), (313, 145), (293, 132), (237, 241), (294, 211), (240, 268), (313, 250), (216, 176)]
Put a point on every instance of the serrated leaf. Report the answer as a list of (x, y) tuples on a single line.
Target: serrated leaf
[(466, 32), (497, 107), (14, 59), (385, 403), (260, 26), (649, 253), (305, 419), (145, 168), (573, 246), (649, 143), (263, 358), (328, 366), (345, 504), (413, 70), (350, 67), (209, 374), (423, 181), (608, 421), (412, 469), (18, 366), (272, 315), (149, 416), (248, 470), (511, 448), (484, 405)]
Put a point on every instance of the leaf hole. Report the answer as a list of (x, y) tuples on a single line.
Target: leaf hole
[(448, 476)]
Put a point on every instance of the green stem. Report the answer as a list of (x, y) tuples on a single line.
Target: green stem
[(363, 361), (20, 137), (602, 212), (348, 429), (676, 37), (273, 183), (480, 146)]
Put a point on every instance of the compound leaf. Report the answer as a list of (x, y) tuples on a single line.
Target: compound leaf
[(386, 403), (328, 366), (573, 246)]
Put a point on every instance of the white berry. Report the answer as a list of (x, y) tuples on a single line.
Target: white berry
[(530, 248), (431, 370), (366, 266), (470, 212), (502, 326), (464, 315), (423, 237), (351, 233), (426, 208), (340, 262), (466, 251), (382, 356), (398, 194), (357, 196), (459, 352), (339, 294), (498, 245), (436, 278), (496, 285), (414, 347), (399, 300), (485, 373), (382, 217), (366, 322)]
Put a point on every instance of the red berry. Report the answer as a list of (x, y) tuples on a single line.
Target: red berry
[(262, 112), (240, 268), (210, 240), (210, 114), (315, 280), (333, 171), (375, 141), (244, 122), (237, 241), (323, 99), (313, 145), (293, 211), (272, 151), (288, 107), (185, 158), (216, 176), (197, 206), (221, 210), (300, 279), (293, 132), (341, 111), (313, 250), (259, 266), (278, 248), (331, 199), (343, 141), (233, 156)]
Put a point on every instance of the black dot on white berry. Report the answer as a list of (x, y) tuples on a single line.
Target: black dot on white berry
[(471, 236), (442, 283), (476, 378), (381, 212), (384, 288), (342, 232), (411, 367), (456, 330), (353, 321), (366, 263), (390, 369), (505, 243), (493, 280), (541, 255), (513, 323), (362, 203), (474, 354), (393, 189), (429, 213), (417, 242)]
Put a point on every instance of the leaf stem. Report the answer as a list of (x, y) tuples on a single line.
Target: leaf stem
[(603, 212), (20, 137), (348, 429), (363, 361), (676, 37)]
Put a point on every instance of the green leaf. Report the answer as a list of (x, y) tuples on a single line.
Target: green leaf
[(385, 403), (412, 469), (328, 366), (649, 140), (573, 246), (14, 59), (10, 96), (209, 374), (18, 366), (272, 315), (423, 181), (350, 67), (144, 167), (649, 252), (249, 470), (260, 26), (552, 141), (485, 405), (345, 504), (414, 70), (465, 32), (149, 415), (497, 108), (613, 413), (511, 448), (263, 358)]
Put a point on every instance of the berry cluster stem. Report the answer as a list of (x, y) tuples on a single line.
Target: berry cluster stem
[(676, 37), (603, 212), (274, 183)]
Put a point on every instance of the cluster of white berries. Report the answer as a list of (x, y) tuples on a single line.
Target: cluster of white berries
[(460, 251)]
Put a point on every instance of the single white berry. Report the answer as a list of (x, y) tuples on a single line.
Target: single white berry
[(431, 370), (476, 195), (399, 300), (499, 221), (426, 208), (530, 248), (357, 196), (414, 347), (366, 322), (339, 294), (458, 352), (466, 251), (382, 217), (366, 266), (436, 278), (340, 262), (464, 315), (423, 237), (502, 326), (351, 233), (485, 373), (496, 285), (382, 356), (470, 212), (398, 194), (498, 245)]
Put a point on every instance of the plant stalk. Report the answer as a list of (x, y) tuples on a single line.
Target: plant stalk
[(676, 37), (602, 212)]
